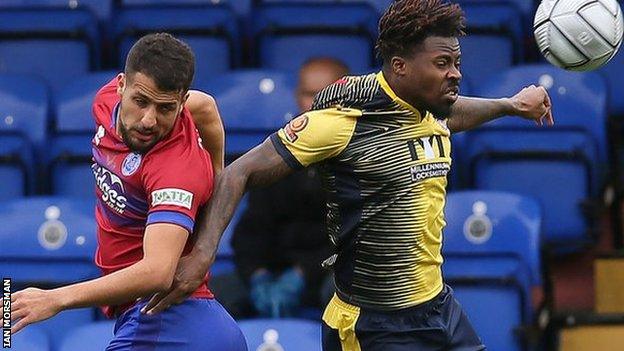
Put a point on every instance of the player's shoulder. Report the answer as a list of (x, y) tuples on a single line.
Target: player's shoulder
[(348, 91)]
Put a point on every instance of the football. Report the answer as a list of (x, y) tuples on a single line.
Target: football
[(578, 35)]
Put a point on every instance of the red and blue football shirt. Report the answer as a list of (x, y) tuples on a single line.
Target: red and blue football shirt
[(167, 184)]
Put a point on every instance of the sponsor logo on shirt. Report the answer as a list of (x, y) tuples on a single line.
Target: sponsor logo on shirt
[(112, 188), (172, 196), (293, 127)]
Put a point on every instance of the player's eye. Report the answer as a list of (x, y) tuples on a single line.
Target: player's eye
[(140, 102), (166, 108)]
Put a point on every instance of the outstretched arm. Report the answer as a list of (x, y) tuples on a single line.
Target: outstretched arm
[(260, 166), (532, 103)]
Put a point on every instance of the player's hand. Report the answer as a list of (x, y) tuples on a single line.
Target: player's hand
[(533, 103), (188, 277), (32, 305)]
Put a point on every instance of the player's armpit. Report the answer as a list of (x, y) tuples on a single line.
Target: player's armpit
[(206, 116), (162, 247)]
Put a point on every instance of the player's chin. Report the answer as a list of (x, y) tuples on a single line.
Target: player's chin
[(140, 146), (443, 109)]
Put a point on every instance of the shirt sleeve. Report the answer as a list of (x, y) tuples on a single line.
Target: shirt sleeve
[(315, 136), (177, 183)]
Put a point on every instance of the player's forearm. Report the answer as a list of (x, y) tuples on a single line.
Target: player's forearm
[(213, 220), (468, 112), (123, 286)]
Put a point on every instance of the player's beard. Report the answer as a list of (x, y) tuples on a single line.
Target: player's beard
[(129, 141)]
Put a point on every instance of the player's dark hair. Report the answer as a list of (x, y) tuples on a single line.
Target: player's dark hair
[(407, 23), (167, 60)]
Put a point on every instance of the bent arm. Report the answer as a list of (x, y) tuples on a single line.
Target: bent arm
[(162, 247), (205, 113), (259, 167)]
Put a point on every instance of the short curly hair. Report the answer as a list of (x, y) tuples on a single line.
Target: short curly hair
[(407, 23)]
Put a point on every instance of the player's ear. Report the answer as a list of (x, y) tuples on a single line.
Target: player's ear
[(398, 65), (121, 83)]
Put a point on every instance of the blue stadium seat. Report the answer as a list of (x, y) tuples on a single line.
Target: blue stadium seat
[(210, 30), (101, 8), (287, 34), (89, 337), (56, 44), (47, 240), (252, 104), (291, 334), (68, 157), (23, 122), (494, 35), (32, 338), (512, 154), (491, 252), (496, 50), (495, 311)]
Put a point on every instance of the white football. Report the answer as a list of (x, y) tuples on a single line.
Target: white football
[(578, 35)]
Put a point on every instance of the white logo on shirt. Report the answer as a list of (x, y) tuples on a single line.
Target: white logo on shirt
[(172, 196), (99, 135)]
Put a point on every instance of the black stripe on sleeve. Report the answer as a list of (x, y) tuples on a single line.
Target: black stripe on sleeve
[(288, 157)]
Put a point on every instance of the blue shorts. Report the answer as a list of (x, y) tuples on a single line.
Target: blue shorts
[(195, 324), (438, 324)]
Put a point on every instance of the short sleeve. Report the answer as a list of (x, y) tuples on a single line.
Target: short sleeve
[(315, 136), (177, 183)]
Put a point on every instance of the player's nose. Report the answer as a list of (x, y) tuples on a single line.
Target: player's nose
[(149, 119)]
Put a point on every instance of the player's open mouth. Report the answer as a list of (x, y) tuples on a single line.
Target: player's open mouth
[(452, 93)]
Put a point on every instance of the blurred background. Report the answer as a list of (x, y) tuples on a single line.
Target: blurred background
[(534, 243)]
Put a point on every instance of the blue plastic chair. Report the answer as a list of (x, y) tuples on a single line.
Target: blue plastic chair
[(512, 154), (252, 104), (68, 156), (288, 34), (210, 30), (55, 44), (291, 334), (90, 337), (47, 240), (495, 312), (492, 260), (23, 122)]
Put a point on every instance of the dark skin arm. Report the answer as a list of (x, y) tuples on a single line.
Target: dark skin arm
[(532, 103), (259, 167)]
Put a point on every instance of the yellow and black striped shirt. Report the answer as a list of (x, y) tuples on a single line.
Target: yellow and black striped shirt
[(384, 167)]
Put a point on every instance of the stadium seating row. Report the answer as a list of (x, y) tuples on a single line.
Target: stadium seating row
[(491, 248), (59, 43)]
